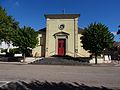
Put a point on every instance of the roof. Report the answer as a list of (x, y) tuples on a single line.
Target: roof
[(80, 30), (116, 44), (42, 30), (62, 16)]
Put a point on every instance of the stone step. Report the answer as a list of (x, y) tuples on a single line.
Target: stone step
[(58, 60), (31, 59)]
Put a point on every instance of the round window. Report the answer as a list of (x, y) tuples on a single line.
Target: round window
[(61, 27)]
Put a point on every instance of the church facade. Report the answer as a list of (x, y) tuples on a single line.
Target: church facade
[(60, 37)]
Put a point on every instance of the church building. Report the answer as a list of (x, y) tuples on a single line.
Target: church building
[(60, 37)]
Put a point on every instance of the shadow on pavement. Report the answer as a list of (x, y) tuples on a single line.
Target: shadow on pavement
[(37, 85)]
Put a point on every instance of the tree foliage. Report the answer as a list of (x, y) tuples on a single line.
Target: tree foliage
[(25, 38), (7, 26), (96, 37), (118, 32)]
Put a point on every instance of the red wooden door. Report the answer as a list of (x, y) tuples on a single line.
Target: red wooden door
[(61, 47)]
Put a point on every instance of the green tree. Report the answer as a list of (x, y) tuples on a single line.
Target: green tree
[(7, 26), (25, 38), (118, 32), (3, 23), (96, 37)]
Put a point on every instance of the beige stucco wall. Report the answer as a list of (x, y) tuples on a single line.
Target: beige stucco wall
[(52, 28), (36, 52), (39, 50), (49, 44), (81, 52)]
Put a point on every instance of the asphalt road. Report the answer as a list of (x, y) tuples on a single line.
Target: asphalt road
[(108, 76)]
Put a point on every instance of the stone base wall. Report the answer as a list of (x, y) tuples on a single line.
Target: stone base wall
[(106, 59)]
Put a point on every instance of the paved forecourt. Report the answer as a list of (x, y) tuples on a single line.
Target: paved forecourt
[(108, 76)]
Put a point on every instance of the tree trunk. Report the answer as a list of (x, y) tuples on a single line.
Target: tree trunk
[(95, 58), (8, 49), (103, 56), (23, 57)]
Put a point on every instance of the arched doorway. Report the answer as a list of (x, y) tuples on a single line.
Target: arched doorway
[(61, 47), (61, 43)]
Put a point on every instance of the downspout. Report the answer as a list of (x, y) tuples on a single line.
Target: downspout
[(74, 37), (47, 41)]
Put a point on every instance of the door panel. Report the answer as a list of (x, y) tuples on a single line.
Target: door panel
[(61, 47)]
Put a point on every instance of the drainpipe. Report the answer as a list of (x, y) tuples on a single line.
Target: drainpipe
[(74, 37)]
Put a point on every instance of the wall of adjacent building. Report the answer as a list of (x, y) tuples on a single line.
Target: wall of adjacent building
[(39, 50), (81, 52)]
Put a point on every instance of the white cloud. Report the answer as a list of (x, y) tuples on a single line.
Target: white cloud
[(115, 33)]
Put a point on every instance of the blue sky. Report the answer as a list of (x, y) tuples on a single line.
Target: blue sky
[(31, 12)]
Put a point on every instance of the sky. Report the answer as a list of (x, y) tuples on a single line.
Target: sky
[(31, 12)]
